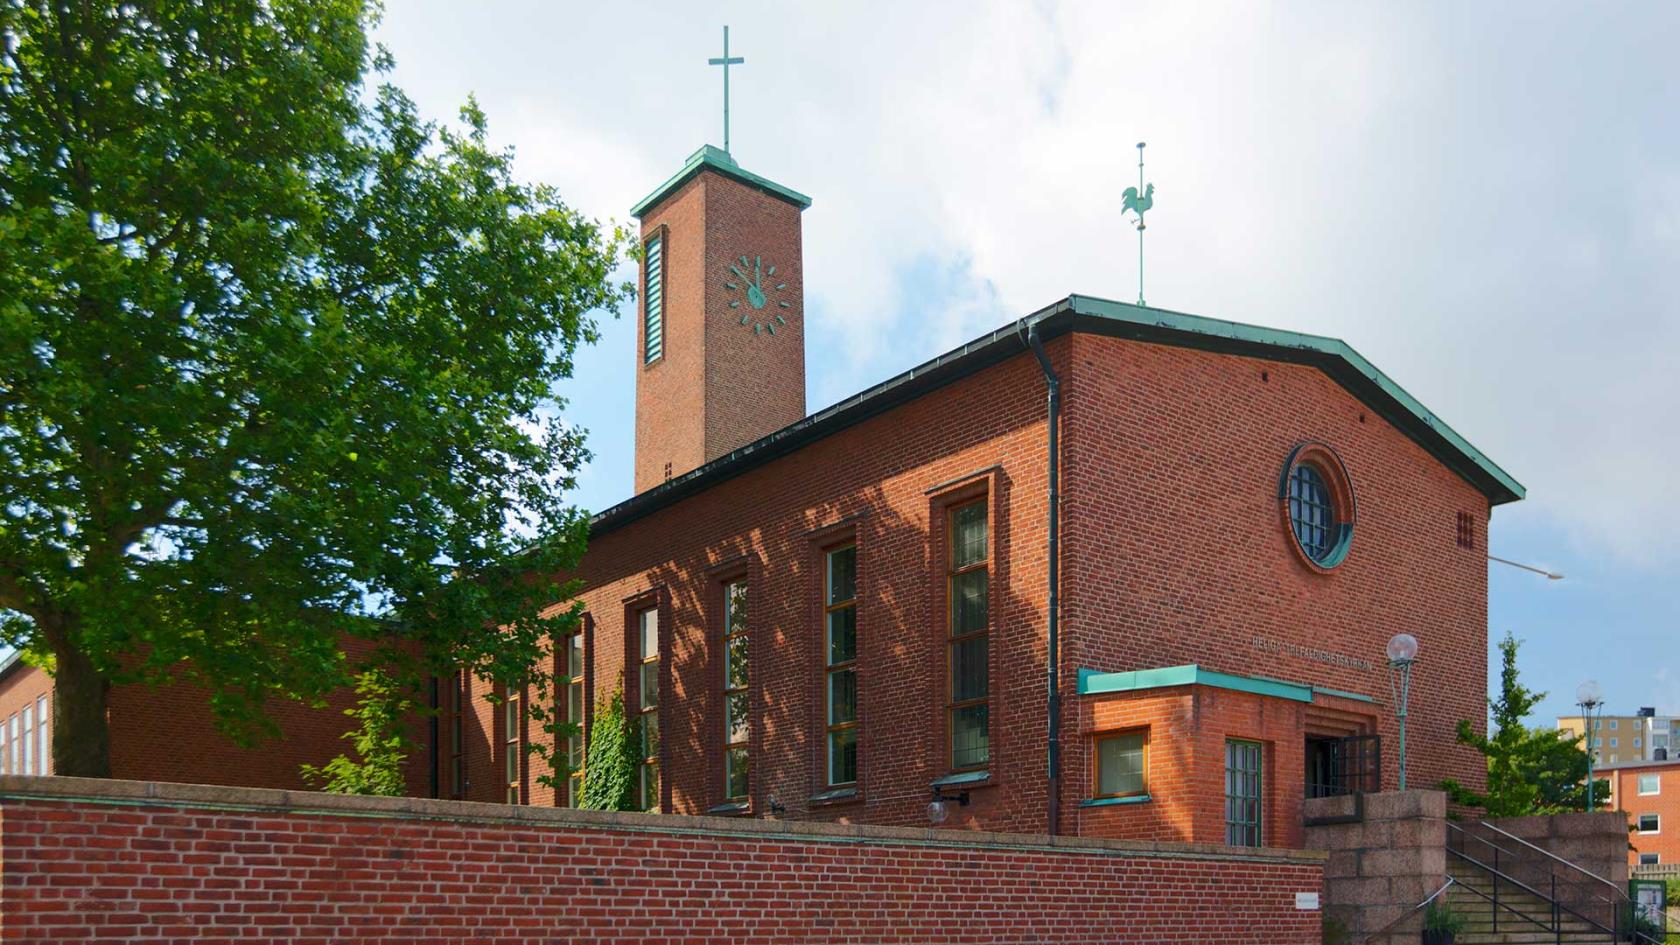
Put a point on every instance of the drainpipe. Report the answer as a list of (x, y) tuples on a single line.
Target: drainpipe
[(432, 735), (1053, 388)]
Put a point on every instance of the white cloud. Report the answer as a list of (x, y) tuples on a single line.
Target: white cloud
[(1484, 201)]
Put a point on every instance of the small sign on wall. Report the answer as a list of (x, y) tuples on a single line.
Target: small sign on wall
[(1307, 902)]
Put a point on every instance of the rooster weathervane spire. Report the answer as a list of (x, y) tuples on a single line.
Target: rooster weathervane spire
[(1137, 200)]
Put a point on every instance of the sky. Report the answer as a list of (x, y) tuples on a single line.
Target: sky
[(1482, 199)]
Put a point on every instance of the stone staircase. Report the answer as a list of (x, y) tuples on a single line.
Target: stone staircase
[(1523, 918)]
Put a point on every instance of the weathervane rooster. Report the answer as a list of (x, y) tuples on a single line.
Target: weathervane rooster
[(1132, 201)]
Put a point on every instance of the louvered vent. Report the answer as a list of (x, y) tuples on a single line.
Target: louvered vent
[(1466, 531), (653, 300)]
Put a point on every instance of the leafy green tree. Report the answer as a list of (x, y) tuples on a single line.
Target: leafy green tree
[(276, 366), (380, 742), (1530, 771), (611, 768)]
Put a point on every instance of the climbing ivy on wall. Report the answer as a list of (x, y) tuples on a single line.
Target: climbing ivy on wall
[(610, 766)]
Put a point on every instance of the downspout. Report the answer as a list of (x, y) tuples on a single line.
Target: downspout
[(1053, 388), (432, 736)]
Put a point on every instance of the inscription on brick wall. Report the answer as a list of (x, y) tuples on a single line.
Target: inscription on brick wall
[(1268, 645)]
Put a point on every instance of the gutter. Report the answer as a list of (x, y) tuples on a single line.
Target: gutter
[(1053, 422)]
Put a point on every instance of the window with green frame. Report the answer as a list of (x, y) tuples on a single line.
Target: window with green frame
[(968, 618), (1243, 792), (737, 699), (840, 632), (1122, 768)]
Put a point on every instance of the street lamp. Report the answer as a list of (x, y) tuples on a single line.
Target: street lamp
[(1590, 698), (1402, 653), (1548, 575)]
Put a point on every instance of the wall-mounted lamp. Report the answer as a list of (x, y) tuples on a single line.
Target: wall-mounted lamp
[(940, 808)]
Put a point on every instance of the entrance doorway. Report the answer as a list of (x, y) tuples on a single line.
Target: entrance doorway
[(1343, 765)]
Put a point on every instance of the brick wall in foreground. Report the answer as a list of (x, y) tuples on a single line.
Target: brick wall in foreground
[(108, 861)]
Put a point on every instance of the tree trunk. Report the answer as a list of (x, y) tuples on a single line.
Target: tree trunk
[(81, 735)]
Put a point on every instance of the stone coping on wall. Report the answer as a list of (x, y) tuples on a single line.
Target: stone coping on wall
[(217, 797)]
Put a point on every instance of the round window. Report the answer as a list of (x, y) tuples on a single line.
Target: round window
[(1317, 502)]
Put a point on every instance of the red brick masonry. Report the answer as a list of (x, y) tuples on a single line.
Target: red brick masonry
[(114, 861)]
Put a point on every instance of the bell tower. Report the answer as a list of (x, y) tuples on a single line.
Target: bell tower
[(720, 354)]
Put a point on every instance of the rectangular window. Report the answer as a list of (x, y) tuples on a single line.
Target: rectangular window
[(1243, 791), (43, 741), (737, 701), (5, 749), (653, 299), (16, 746), (458, 702), (1613, 740), (1613, 722), (1650, 784), (513, 742), (1649, 823), (1122, 765), (968, 618), (576, 714), (840, 647), (1649, 859), (1638, 743), (28, 739), (647, 705)]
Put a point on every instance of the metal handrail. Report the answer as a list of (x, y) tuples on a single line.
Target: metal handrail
[(1450, 882), (1558, 905), (1620, 892), (1618, 896), (1497, 905)]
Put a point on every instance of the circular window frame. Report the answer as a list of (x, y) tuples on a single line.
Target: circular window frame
[(1328, 464)]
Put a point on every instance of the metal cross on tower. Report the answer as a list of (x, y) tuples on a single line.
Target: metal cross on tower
[(725, 61)]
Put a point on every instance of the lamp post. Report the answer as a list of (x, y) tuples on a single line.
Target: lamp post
[(1402, 653), (1590, 698)]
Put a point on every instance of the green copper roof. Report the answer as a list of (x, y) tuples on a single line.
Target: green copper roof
[(1331, 355), (1093, 683), (1082, 313), (718, 160)]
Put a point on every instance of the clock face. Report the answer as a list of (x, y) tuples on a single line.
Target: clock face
[(757, 305)]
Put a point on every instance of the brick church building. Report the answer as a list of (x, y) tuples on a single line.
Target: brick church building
[(1107, 570), (849, 615)]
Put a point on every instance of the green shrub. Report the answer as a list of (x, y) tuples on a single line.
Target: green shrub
[(1440, 917), (378, 740)]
